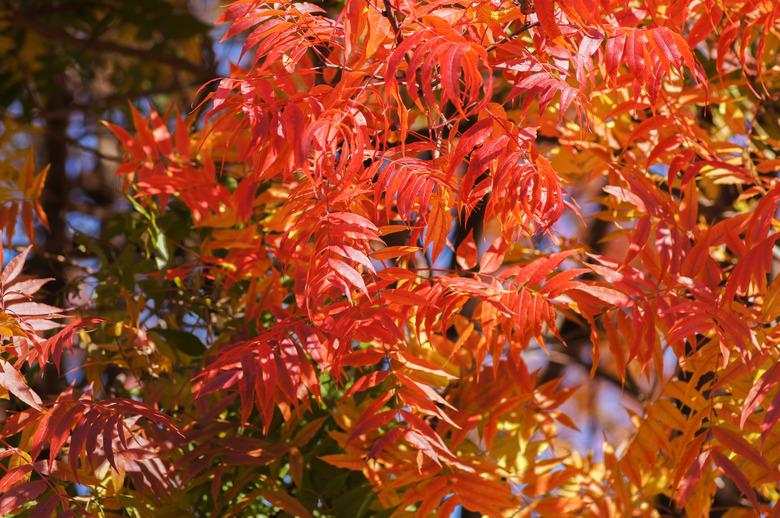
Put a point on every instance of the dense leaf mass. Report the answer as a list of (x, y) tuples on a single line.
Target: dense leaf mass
[(385, 213)]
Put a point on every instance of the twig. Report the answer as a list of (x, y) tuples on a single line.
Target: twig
[(75, 143), (390, 15), (523, 28)]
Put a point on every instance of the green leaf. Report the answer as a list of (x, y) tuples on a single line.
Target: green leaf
[(186, 342), (161, 256)]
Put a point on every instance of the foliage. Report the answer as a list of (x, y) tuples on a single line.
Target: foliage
[(328, 298), (98, 51), (64, 66)]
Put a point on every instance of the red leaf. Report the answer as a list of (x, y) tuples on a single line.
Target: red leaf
[(493, 257), (21, 495), (371, 423), (353, 219), (771, 417), (353, 254), (692, 477), (606, 295), (614, 52), (366, 382), (759, 391), (733, 472), (739, 445), (545, 13), (24, 289), (466, 255), (349, 274)]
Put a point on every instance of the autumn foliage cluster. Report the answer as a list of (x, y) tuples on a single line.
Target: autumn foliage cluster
[(384, 215)]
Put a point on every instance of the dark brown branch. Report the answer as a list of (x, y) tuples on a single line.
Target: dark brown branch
[(105, 103), (99, 154), (97, 45), (389, 13)]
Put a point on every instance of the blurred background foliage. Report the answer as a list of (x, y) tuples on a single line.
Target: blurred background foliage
[(65, 66)]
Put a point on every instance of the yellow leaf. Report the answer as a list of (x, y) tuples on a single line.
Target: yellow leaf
[(9, 326)]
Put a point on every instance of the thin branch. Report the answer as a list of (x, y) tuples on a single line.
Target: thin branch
[(57, 258), (104, 103), (99, 154), (523, 28)]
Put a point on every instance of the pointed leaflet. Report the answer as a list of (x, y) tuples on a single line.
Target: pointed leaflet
[(733, 472), (771, 417), (366, 382), (13, 381), (739, 446), (606, 295), (14, 268), (19, 470), (759, 391), (349, 274), (466, 254), (391, 252), (493, 257), (614, 52), (24, 289), (359, 257), (284, 501), (21, 495), (545, 13)]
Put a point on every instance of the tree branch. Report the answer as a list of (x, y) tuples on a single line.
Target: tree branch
[(97, 45), (389, 13)]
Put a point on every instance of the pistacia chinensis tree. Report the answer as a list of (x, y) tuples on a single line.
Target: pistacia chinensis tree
[(405, 251)]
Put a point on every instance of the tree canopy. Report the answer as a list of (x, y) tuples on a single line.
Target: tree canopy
[(422, 257)]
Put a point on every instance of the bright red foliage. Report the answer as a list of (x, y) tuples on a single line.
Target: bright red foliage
[(387, 199)]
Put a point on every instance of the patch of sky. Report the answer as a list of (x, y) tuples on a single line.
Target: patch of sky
[(535, 358), (566, 226), (72, 361), (76, 125), (148, 317), (740, 140), (444, 259), (8, 255), (15, 109), (83, 223), (195, 325), (81, 490), (227, 52), (659, 169), (21, 140)]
